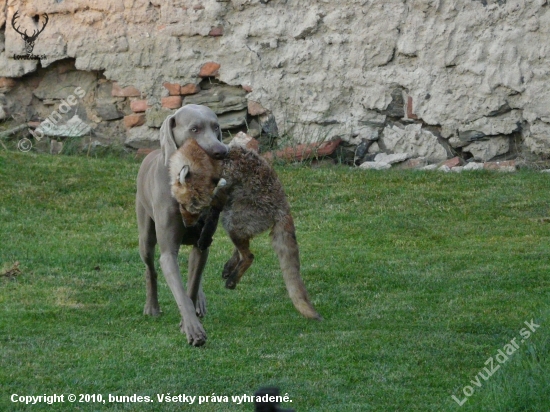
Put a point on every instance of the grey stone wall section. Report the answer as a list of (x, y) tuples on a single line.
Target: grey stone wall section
[(322, 68)]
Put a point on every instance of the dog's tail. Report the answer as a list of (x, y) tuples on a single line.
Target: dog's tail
[(283, 239)]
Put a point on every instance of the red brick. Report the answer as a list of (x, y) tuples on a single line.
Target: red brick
[(247, 88), (171, 102), (410, 112), (138, 106), (450, 163), (216, 31), (173, 88), (209, 69), (255, 108), (129, 91), (133, 120), (189, 88), (305, 151)]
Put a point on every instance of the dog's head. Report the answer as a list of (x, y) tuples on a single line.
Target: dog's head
[(194, 179), (192, 122)]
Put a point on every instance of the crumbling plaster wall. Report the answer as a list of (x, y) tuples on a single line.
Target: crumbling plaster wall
[(473, 70)]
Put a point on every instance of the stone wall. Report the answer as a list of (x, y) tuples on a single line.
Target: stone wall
[(433, 78)]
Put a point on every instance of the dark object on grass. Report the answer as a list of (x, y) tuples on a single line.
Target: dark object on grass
[(267, 393), (13, 271)]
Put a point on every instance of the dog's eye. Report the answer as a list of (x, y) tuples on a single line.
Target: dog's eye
[(194, 129)]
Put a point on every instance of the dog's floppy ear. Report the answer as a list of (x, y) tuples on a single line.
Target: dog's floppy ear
[(167, 142)]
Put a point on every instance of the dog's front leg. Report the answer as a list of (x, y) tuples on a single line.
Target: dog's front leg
[(197, 261), (190, 325), (169, 239)]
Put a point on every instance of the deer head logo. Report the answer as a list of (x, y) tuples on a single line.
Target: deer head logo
[(29, 40)]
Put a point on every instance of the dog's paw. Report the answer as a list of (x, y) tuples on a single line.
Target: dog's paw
[(193, 329), (152, 310)]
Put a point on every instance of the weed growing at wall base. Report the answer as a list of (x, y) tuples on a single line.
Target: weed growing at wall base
[(501, 358)]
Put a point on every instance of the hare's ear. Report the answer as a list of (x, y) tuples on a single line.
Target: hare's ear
[(167, 142), (183, 173)]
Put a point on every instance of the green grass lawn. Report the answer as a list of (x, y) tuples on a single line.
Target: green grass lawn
[(421, 277)]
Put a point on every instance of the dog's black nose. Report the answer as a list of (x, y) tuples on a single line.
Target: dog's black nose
[(220, 152)]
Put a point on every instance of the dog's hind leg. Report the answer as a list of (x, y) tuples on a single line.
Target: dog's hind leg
[(147, 242), (197, 261), (245, 260)]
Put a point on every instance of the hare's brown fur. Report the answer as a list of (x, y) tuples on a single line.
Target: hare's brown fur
[(252, 202)]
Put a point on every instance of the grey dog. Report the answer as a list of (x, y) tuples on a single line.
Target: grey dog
[(160, 221)]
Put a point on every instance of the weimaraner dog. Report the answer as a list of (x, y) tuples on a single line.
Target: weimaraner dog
[(160, 221)]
